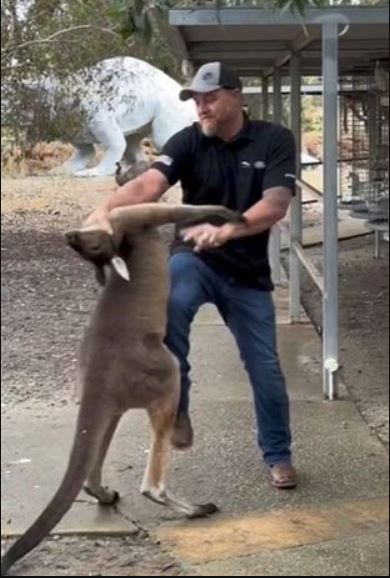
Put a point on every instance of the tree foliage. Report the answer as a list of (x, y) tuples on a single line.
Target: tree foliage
[(39, 37)]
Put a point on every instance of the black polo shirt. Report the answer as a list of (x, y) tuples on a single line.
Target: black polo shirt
[(233, 174)]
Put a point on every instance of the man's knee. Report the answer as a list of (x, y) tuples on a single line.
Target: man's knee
[(182, 304), (183, 266)]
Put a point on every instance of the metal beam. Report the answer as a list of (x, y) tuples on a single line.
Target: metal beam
[(347, 44), (265, 17), (275, 240), (232, 54), (309, 265), (330, 249), (277, 94), (199, 48), (270, 60), (265, 99), (296, 208), (376, 44), (301, 42)]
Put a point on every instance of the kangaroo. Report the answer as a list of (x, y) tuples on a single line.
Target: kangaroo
[(124, 363)]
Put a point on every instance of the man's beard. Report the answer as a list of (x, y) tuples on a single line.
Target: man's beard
[(208, 128)]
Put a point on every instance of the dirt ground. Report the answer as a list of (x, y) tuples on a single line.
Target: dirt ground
[(139, 556), (47, 294), (364, 326)]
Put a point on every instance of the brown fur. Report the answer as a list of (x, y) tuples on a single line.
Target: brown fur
[(124, 363)]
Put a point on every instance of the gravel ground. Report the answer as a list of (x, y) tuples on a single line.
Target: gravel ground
[(64, 556), (363, 327)]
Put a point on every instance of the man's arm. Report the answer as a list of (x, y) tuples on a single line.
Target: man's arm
[(263, 215), (146, 188), (260, 217)]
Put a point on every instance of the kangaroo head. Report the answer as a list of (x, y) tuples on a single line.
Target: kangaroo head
[(96, 246)]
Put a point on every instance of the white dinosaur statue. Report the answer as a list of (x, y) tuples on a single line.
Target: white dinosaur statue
[(121, 100)]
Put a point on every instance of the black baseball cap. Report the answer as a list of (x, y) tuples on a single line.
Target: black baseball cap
[(212, 76)]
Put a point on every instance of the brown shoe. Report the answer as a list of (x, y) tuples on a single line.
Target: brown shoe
[(183, 434), (283, 476)]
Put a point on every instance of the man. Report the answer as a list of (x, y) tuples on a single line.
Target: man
[(247, 166)]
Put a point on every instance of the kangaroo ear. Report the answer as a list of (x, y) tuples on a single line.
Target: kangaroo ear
[(120, 267)]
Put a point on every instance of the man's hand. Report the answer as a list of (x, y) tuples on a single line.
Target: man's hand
[(206, 236), (99, 219)]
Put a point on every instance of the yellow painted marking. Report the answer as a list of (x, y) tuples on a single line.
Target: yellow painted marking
[(217, 539)]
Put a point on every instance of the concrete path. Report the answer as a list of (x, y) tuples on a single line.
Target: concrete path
[(334, 523)]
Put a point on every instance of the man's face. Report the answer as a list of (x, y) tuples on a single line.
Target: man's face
[(216, 109)]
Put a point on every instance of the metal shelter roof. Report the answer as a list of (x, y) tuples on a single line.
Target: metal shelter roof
[(255, 41)]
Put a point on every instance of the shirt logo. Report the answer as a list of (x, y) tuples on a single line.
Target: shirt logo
[(256, 164), (165, 160)]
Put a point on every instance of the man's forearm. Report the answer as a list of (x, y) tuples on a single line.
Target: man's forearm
[(261, 217), (146, 188), (132, 193)]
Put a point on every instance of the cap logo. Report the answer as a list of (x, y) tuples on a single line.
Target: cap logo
[(207, 76)]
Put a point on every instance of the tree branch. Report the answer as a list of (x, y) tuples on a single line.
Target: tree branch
[(54, 37)]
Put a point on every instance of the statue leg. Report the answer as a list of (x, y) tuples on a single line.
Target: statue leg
[(109, 135), (79, 161)]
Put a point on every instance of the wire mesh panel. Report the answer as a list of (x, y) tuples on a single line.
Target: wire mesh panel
[(364, 144), (354, 141)]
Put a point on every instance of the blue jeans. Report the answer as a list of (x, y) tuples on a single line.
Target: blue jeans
[(250, 316)]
